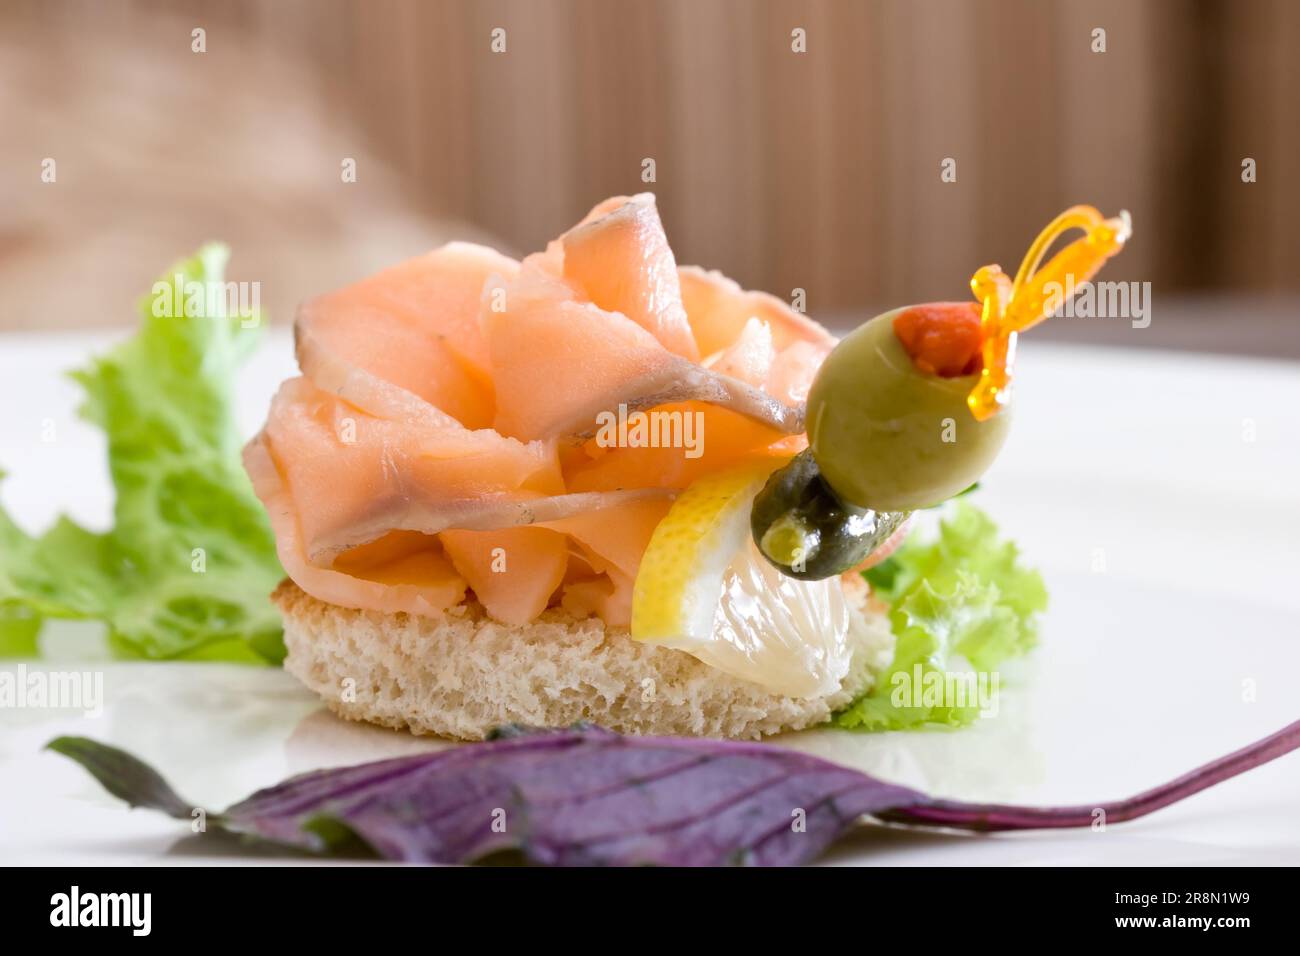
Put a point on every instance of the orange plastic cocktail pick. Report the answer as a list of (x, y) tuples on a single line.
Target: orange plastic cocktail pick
[(1010, 308)]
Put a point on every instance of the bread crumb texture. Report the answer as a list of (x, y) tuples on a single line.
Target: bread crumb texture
[(460, 674)]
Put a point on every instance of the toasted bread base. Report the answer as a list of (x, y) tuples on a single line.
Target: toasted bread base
[(461, 674)]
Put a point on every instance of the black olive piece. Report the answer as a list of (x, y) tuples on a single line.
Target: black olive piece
[(803, 529)]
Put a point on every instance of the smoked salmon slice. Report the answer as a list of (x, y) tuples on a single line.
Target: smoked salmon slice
[(513, 571), (620, 258), (611, 542), (441, 442), (419, 581), (410, 330), (363, 475), (718, 310), (558, 361)]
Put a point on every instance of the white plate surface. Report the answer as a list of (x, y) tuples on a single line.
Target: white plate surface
[(1158, 492)]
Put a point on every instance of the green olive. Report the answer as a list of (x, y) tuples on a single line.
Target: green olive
[(806, 531), (890, 437)]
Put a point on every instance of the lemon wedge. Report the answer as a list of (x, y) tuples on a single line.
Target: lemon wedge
[(703, 588), (677, 585)]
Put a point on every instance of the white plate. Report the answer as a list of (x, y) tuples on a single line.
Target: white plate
[(1158, 492)]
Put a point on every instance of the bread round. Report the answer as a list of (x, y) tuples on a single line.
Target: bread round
[(461, 674)]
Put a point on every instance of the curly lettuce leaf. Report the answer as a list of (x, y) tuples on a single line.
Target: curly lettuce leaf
[(186, 569), (20, 629), (960, 605)]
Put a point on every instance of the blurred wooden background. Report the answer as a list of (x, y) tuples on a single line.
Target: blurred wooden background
[(818, 170)]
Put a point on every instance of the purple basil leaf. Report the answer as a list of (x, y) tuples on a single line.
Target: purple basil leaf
[(581, 796), (991, 817), (589, 796), (123, 776)]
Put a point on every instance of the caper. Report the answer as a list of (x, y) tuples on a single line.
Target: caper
[(890, 437), (805, 530)]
